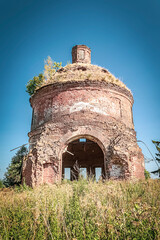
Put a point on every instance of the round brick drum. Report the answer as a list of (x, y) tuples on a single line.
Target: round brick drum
[(82, 124)]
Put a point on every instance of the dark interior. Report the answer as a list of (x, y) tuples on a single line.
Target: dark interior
[(82, 154)]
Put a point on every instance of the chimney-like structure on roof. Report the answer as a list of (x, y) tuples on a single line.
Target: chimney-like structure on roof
[(81, 54)]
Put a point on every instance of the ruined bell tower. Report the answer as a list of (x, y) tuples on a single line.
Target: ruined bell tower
[(82, 121)]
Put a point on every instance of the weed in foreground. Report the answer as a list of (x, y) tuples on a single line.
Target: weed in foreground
[(82, 210)]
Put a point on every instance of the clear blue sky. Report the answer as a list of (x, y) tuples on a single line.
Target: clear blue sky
[(124, 37)]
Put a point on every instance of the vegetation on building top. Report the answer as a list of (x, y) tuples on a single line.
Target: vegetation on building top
[(54, 72), (50, 68)]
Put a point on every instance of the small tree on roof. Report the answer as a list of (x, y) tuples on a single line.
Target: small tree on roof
[(35, 83), (50, 67)]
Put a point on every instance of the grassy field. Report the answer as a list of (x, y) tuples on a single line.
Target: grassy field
[(82, 210)]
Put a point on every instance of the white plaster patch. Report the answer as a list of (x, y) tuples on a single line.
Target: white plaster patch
[(47, 112), (41, 122), (116, 171), (86, 106)]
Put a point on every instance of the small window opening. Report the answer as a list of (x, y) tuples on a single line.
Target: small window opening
[(67, 173), (82, 140), (98, 173), (83, 173)]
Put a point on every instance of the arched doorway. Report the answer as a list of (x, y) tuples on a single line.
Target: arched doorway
[(83, 157)]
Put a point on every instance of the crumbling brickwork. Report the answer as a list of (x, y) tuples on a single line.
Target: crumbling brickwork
[(98, 111)]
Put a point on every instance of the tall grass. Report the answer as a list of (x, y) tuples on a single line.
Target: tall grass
[(82, 210)]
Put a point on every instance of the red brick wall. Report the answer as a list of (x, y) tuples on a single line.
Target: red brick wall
[(51, 102), (99, 111)]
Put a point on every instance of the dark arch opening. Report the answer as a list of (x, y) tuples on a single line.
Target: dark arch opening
[(83, 157)]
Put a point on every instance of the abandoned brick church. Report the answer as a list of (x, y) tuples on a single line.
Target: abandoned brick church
[(82, 123)]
